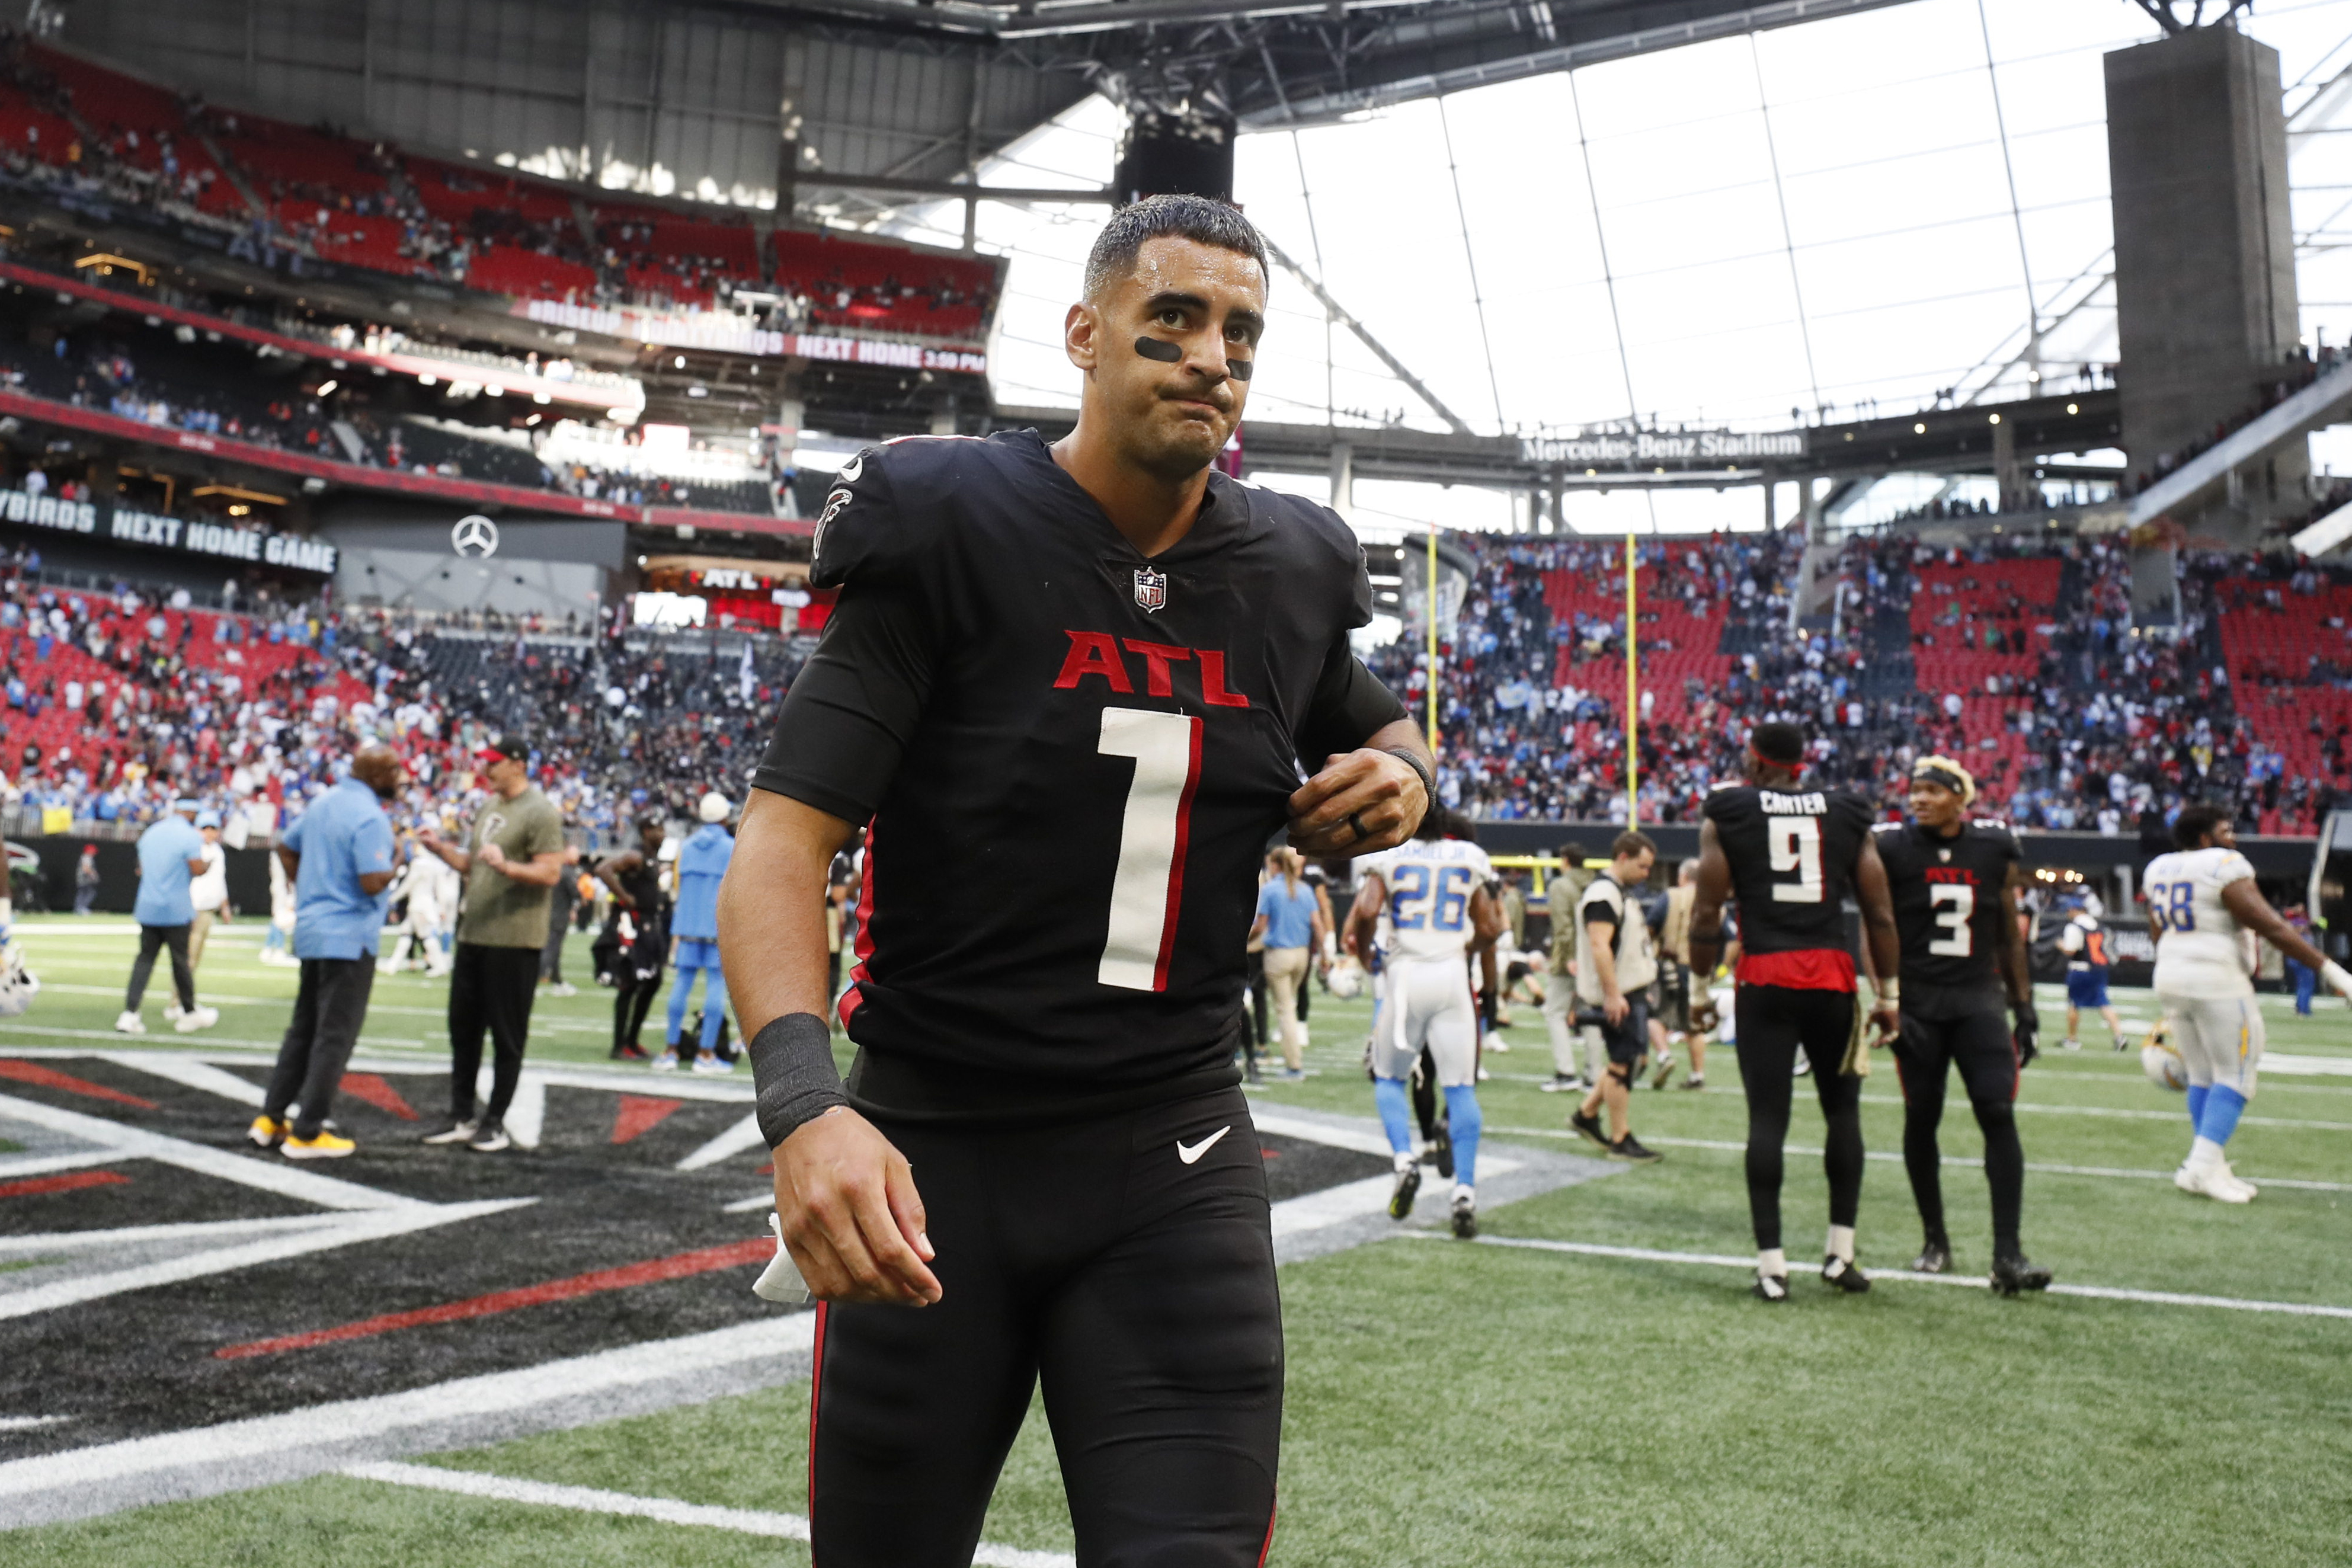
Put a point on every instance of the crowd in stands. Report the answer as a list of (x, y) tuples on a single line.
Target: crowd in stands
[(337, 198), (112, 703), (146, 376), (2018, 655)]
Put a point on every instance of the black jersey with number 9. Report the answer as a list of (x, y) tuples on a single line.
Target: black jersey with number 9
[(1094, 748), (1791, 854)]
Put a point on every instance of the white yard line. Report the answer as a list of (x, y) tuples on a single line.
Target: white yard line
[(742, 1137), (42, 1165), (132, 1235), (189, 1072), (665, 1510), (326, 1426), (2121, 1113), (340, 1230), (272, 1175), (2094, 1292), (1731, 1147), (1363, 1141)]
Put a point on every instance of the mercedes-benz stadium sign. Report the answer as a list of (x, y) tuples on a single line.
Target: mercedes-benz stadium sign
[(475, 537), (1662, 449)]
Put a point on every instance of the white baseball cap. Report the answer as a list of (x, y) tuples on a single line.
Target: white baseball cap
[(715, 807)]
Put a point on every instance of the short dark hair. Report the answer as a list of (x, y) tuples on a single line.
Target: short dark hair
[(1201, 219), (2195, 822), (1781, 743), (1630, 843)]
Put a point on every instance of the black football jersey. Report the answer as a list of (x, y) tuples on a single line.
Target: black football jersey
[(1791, 854), (1062, 870), (1947, 901)]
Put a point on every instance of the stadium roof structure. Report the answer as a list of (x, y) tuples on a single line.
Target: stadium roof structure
[(1298, 62)]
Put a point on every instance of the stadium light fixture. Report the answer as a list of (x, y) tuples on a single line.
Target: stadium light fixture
[(1919, 428), (1995, 420), (326, 386)]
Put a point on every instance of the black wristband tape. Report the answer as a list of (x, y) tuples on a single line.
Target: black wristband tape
[(792, 1072), (1421, 771)]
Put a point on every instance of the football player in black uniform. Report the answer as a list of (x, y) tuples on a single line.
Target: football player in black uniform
[(1954, 886), (1791, 855), (1076, 688)]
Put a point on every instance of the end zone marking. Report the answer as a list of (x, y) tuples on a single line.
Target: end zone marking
[(270, 1176), (744, 1134), (49, 1078), (371, 1089), (679, 1265), (639, 1114), (665, 1510), (2094, 1292), (74, 1182)]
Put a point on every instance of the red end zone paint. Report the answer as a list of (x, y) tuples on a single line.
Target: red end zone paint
[(73, 1182), (373, 1089), (33, 1072), (734, 1254), (639, 1114)]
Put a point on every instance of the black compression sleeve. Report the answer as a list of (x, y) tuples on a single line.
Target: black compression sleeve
[(849, 715), (1348, 706)]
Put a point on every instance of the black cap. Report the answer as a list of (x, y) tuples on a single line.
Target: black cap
[(510, 744)]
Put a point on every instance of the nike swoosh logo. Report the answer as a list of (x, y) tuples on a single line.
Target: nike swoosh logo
[(1189, 1155)]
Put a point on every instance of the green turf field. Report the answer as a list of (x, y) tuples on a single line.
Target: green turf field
[(1454, 1403)]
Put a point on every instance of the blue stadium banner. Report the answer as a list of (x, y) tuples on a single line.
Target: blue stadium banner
[(200, 536)]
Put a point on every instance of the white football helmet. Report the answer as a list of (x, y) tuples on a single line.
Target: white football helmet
[(1345, 979), (2163, 1064), (19, 984)]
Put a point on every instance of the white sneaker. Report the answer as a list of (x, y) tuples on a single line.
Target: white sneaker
[(130, 1024), (712, 1065), (170, 1012), (560, 989), (2215, 1182), (202, 1019), (2230, 1171)]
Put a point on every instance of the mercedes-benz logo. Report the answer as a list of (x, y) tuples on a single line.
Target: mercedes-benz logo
[(475, 537)]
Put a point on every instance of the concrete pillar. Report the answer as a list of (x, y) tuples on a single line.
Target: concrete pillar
[(2205, 286), (2008, 475), (1343, 480)]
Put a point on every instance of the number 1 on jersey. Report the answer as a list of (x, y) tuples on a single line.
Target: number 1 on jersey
[(1147, 886), (1796, 844)]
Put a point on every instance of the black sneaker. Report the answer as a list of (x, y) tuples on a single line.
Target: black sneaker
[(1770, 1288), (1695, 1080), (1590, 1126), (1935, 1257), (1440, 1149), (631, 1052), (490, 1138), (1465, 1218), (1408, 1183), (1629, 1148), (453, 1133), (2015, 1273), (1843, 1276)]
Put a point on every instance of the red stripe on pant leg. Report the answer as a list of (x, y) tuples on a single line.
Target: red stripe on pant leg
[(1271, 1514), (816, 1386)]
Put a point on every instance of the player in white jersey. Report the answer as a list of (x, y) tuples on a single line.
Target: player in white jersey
[(1433, 892), (2204, 908)]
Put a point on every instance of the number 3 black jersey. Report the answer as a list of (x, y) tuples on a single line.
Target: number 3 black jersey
[(1948, 903), (1073, 757), (1791, 854)]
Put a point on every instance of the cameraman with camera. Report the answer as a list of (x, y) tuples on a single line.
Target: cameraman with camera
[(1615, 963)]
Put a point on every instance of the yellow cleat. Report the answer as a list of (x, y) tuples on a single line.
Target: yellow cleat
[(325, 1146), (266, 1132)]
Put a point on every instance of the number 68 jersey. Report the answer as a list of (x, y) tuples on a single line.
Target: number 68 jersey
[(1948, 903), (2200, 950)]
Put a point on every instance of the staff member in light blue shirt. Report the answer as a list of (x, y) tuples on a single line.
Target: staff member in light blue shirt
[(340, 855), (693, 934), (171, 857)]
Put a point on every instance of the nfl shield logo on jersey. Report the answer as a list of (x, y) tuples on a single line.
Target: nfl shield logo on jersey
[(1150, 589)]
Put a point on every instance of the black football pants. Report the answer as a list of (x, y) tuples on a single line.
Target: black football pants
[(154, 940), (1138, 1286), (489, 988), (1978, 1044), (1773, 1021)]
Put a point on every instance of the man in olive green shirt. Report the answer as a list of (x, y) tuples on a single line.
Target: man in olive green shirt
[(512, 856)]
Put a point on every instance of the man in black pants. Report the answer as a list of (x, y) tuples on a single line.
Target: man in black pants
[(511, 858), (1955, 887), (341, 857), (1076, 688), (1790, 856), (635, 877)]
